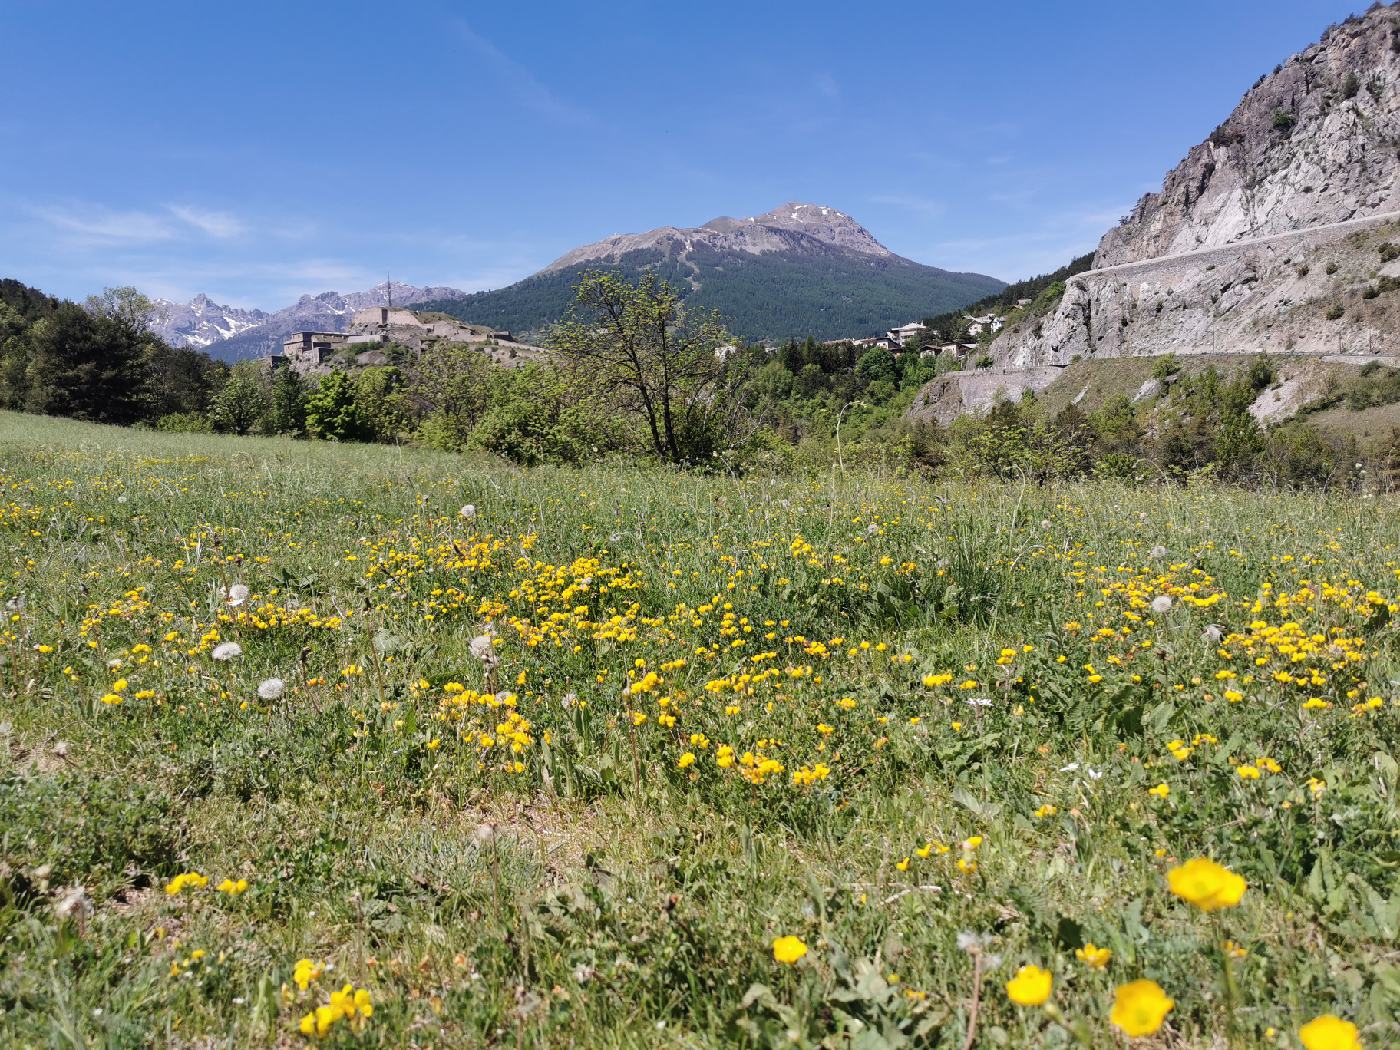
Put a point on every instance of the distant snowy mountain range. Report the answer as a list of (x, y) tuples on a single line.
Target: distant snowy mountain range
[(232, 333)]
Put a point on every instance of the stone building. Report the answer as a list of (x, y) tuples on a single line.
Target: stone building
[(306, 352)]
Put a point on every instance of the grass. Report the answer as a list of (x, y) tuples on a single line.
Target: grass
[(923, 723)]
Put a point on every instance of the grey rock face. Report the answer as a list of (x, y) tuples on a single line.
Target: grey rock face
[(1313, 143), (1271, 236)]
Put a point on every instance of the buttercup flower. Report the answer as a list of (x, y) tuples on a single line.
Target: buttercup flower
[(789, 949), (1094, 956), (1206, 884), (1139, 1008), (1030, 987), (1330, 1032)]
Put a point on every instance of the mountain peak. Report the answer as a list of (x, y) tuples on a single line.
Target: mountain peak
[(755, 235), (824, 223)]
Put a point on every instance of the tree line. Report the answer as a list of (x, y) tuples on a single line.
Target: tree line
[(634, 373)]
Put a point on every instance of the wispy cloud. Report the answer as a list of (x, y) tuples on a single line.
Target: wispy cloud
[(214, 223), (97, 225), (521, 84), (107, 226), (927, 207)]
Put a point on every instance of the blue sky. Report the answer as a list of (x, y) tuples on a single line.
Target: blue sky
[(258, 151)]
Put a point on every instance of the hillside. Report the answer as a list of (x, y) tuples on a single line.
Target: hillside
[(798, 270), (1277, 233)]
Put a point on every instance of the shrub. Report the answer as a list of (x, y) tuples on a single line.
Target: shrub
[(184, 423), (1165, 367), (1283, 120), (1335, 311)]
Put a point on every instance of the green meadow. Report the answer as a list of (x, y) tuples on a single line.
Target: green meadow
[(360, 746)]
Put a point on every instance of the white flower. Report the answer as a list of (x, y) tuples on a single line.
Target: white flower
[(237, 594), (468, 512), (980, 701), (73, 904), (1069, 768), (271, 688), (227, 650), (1162, 603), (1212, 634), (1157, 552), (971, 942)]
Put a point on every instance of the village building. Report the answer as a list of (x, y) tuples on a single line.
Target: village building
[(904, 333), (305, 352)]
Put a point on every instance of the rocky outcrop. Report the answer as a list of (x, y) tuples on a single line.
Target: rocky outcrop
[(1276, 234), (973, 392)]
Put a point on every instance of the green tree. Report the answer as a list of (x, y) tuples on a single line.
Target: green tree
[(380, 394), (633, 344), (85, 366), (286, 407), (334, 414), (242, 402), (877, 364)]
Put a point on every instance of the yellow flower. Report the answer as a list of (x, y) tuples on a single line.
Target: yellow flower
[(1206, 884), (1030, 987), (686, 760), (1139, 1008), (232, 888), (1161, 791), (187, 879), (1247, 772), (1046, 810), (1093, 956), (1329, 1032), (305, 972), (788, 950)]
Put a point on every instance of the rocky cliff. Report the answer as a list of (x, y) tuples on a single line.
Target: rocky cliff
[(1278, 233)]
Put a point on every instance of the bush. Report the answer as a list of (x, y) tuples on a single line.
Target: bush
[(1335, 311), (184, 423), (1165, 367), (1283, 121)]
